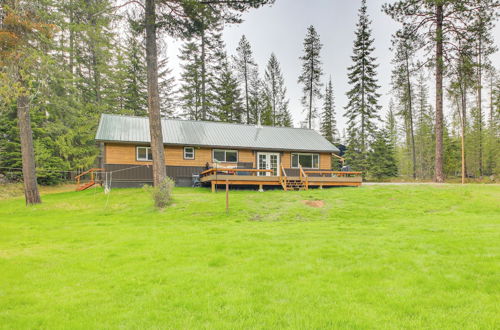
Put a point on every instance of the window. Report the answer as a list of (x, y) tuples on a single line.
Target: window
[(228, 156), (144, 154), (188, 153), (305, 160)]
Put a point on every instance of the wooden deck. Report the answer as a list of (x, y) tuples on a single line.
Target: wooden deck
[(255, 177)]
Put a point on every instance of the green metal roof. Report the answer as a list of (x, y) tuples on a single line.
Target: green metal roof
[(119, 128)]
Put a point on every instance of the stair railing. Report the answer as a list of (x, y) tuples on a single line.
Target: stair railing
[(303, 177), (283, 177), (92, 175)]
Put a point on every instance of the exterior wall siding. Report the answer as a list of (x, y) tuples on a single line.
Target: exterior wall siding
[(133, 173), (126, 154)]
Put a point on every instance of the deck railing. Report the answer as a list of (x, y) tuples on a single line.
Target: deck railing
[(283, 178), (334, 173), (233, 171), (92, 172), (303, 177)]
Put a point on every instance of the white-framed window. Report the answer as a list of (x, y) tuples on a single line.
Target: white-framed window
[(305, 160), (144, 154), (188, 152), (225, 156)]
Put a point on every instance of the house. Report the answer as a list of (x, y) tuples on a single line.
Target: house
[(232, 152)]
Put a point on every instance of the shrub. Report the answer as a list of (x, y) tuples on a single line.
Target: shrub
[(163, 193)]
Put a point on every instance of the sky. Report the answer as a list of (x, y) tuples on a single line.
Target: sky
[(281, 29)]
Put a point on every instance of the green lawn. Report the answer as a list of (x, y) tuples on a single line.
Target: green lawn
[(372, 257)]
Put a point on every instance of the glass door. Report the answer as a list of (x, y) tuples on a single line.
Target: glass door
[(268, 161)]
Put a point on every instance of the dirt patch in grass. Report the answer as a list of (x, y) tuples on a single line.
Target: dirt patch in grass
[(316, 203)]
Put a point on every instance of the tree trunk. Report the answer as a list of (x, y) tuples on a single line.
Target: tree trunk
[(159, 170), (94, 58), (31, 193), (410, 115), (438, 166), (311, 88), (246, 94), (71, 39), (461, 113), (203, 77), (463, 123), (479, 107)]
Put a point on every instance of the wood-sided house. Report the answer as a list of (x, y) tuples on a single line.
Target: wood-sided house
[(235, 151)]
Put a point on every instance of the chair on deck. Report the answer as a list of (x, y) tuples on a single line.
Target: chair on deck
[(243, 165)]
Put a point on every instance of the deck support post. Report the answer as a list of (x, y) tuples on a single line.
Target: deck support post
[(261, 188), (227, 197), (213, 186), (320, 186)]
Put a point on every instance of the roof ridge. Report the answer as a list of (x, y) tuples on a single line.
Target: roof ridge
[(208, 122)]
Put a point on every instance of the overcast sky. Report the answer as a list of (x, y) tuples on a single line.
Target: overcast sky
[(281, 29)]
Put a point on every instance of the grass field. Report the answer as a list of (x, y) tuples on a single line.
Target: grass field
[(370, 257)]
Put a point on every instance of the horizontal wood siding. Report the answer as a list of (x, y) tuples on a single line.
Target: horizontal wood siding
[(325, 161), (286, 160), (122, 154), (174, 156)]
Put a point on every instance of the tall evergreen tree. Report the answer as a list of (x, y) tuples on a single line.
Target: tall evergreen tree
[(424, 131), (439, 24), (190, 89), (484, 46), (25, 35), (362, 108), (274, 86), (405, 45), (256, 97), (328, 121), (311, 73), (227, 95), (136, 97), (245, 64), (462, 76), (166, 85), (382, 156), (391, 124)]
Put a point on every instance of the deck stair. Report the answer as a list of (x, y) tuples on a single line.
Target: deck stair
[(289, 183), (93, 172), (295, 185)]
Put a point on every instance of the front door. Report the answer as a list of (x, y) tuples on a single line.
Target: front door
[(268, 161)]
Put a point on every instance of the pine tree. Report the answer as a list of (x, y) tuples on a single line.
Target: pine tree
[(227, 95), (256, 97), (439, 24), (328, 121), (483, 47), (25, 35), (190, 90), (424, 136), (362, 108), (245, 64), (200, 62), (391, 124), (274, 87), (382, 157), (166, 85), (136, 96), (311, 73), (405, 45), (492, 141)]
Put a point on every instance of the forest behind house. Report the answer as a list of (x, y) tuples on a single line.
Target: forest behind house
[(64, 63)]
